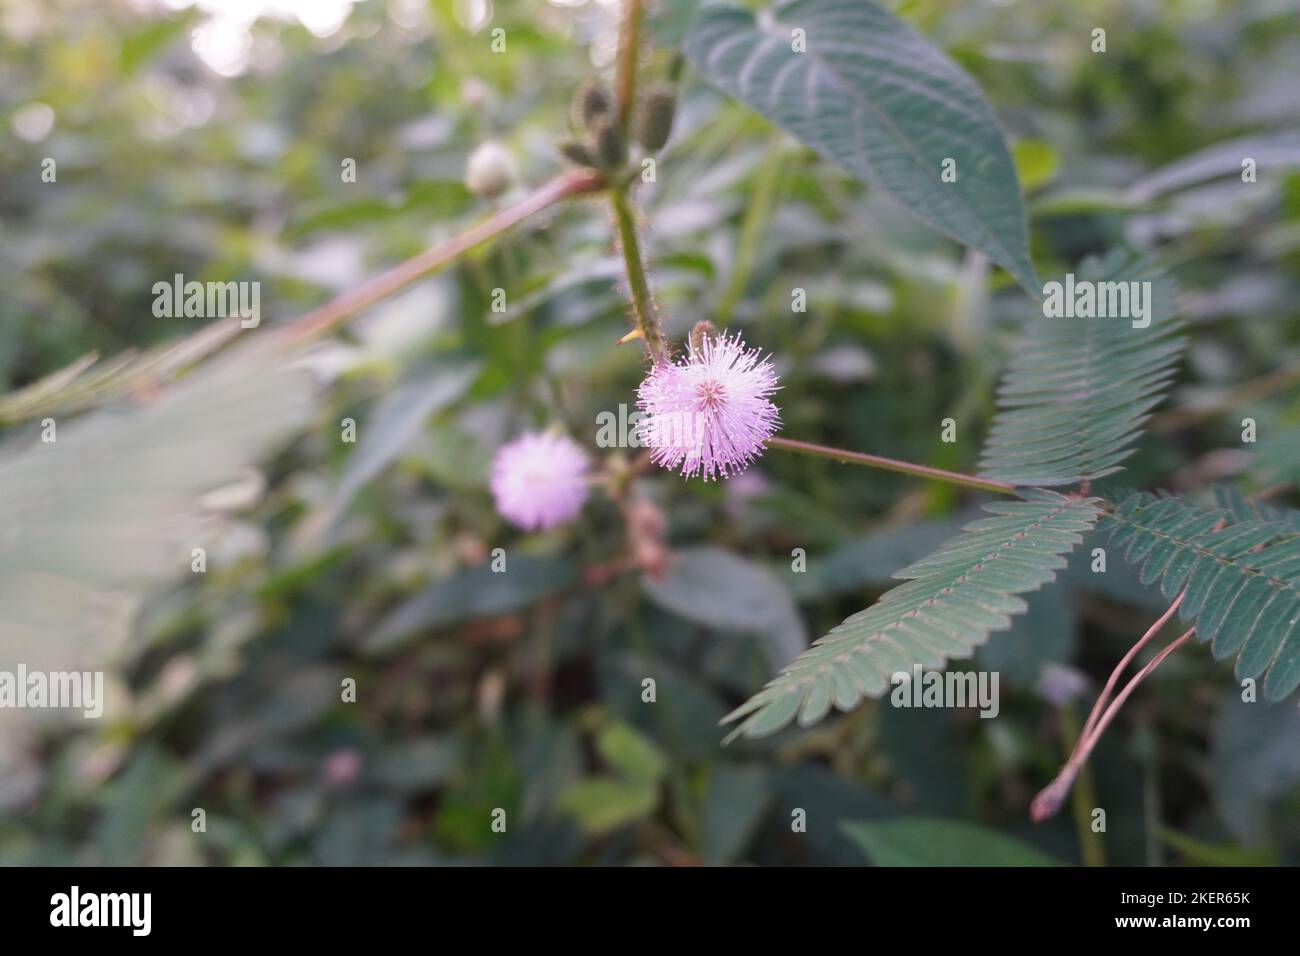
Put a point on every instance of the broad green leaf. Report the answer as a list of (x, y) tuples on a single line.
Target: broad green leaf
[(473, 592), (601, 804), (631, 754), (717, 588), (733, 803), (1271, 152), (724, 591), (397, 421), (921, 841), (871, 559), (871, 94)]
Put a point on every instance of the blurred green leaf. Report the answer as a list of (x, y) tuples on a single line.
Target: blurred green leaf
[(397, 420), (1270, 151), (490, 783), (418, 765), (131, 804), (1200, 853), (1043, 635), (632, 755), (473, 592), (733, 804), (144, 44), (602, 804), (724, 591), (926, 754), (1254, 763), (359, 833), (871, 559), (918, 841), (1036, 162)]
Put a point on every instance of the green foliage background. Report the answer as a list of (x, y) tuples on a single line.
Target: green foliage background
[(523, 691)]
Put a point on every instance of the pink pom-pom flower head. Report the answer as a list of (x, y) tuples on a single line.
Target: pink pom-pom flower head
[(710, 412), (539, 480)]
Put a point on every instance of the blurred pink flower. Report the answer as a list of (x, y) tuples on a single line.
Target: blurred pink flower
[(1059, 684), (710, 412), (743, 489), (539, 480), (343, 766)]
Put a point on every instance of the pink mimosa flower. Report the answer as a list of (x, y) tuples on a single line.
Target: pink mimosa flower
[(709, 413), (539, 480)]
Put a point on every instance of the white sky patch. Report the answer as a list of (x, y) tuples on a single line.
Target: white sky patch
[(224, 41)]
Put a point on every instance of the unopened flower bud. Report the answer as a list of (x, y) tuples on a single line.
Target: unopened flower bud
[(490, 170), (591, 104), (611, 151), (575, 152), (655, 124)]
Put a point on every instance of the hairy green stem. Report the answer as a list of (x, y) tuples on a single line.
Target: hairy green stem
[(629, 50), (643, 306), (892, 464)]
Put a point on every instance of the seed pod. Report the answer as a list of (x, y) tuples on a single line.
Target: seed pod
[(611, 151), (656, 120), (591, 104), (490, 170), (575, 152)]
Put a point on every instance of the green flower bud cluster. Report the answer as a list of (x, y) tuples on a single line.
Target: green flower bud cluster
[(598, 141)]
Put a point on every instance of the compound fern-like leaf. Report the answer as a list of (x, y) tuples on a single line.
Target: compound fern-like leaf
[(950, 604), (1240, 508), (1079, 390), (1240, 578)]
